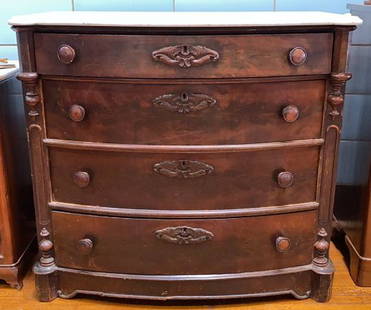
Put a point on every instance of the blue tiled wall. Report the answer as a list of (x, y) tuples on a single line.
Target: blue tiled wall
[(224, 5), (16, 7), (336, 6), (355, 145), (10, 8), (123, 5)]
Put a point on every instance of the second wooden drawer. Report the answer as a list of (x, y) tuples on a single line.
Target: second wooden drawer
[(183, 112)]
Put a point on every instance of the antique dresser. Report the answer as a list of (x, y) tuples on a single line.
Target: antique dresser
[(17, 222), (183, 155)]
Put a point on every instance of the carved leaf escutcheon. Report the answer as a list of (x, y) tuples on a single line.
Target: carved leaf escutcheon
[(185, 56), (183, 168), (184, 102), (184, 235)]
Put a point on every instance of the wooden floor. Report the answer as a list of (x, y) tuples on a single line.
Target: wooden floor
[(345, 296)]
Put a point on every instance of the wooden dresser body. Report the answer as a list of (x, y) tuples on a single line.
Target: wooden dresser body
[(17, 220), (183, 162)]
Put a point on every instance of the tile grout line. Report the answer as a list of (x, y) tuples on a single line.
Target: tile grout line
[(359, 93), (173, 5), (11, 44), (73, 5), (274, 5)]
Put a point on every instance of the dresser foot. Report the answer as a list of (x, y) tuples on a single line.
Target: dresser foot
[(322, 282), (17, 284), (46, 282), (11, 276)]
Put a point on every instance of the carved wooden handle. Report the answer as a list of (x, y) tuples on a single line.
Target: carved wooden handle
[(184, 102), (184, 235), (285, 179), (76, 113), (185, 56), (282, 244), (85, 245), (298, 56), (183, 168), (81, 178), (66, 54), (290, 113)]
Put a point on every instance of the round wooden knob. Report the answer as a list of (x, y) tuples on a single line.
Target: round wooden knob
[(285, 179), (85, 245), (66, 54), (290, 113), (81, 178), (282, 244), (76, 113), (297, 56)]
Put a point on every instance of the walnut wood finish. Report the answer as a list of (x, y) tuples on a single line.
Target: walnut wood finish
[(131, 56), (243, 112), (231, 180), (224, 110), (238, 245), (17, 223)]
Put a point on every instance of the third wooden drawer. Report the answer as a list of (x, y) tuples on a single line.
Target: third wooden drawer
[(154, 180)]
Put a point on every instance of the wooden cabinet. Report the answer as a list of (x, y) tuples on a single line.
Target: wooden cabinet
[(353, 222), (184, 162), (17, 229)]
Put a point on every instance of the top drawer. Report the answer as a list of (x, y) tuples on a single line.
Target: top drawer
[(144, 56)]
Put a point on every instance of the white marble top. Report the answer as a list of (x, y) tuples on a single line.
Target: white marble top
[(7, 73), (185, 19)]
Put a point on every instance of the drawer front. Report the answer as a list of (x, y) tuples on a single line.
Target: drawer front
[(187, 113), (140, 56), (155, 246), (184, 181)]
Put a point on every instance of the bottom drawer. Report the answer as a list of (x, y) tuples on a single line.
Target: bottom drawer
[(183, 246)]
